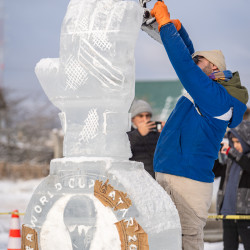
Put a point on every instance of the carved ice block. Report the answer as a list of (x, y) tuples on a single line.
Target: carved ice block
[(69, 209), (94, 76), (95, 198)]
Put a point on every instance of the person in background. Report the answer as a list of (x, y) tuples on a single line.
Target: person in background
[(143, 135), (233, 197), (247, 115), (190, 141)]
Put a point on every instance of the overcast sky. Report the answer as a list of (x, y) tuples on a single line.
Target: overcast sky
[(32, 32)]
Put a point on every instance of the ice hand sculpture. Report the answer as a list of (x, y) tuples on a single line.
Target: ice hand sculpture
[(95, 198), (93, 80)]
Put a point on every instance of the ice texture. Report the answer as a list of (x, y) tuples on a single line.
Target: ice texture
[(92, 83), (68, 190)]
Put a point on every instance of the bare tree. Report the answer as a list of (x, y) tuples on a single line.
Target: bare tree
[(26, 128)]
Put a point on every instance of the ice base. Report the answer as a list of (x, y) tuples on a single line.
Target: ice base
[(90, 225)]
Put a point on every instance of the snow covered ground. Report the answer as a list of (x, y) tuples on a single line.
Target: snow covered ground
[(16, 195), (13, 195)]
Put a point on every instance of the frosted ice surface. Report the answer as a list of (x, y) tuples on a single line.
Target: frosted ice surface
[(57, 230), (93, 80), (92, 83), (69, 191)]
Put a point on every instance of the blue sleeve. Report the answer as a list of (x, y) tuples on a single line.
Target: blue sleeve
[(211, 98), (185, 37)]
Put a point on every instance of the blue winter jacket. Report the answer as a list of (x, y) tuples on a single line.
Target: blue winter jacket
[(190, 140)]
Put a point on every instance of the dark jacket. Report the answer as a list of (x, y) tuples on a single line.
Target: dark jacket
[(242, 132), (143, 148)]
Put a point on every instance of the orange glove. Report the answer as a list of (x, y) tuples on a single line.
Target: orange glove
[(176, 23), (161, 14)]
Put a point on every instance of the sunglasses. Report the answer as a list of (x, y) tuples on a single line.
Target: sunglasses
[(197, 58)]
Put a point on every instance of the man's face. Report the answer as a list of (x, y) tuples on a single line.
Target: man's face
[(237, 145), (140, 118), (206, 66)]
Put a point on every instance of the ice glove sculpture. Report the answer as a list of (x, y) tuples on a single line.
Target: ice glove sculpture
[(93, 80), (94, 197)]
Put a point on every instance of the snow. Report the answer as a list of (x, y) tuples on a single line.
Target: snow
[(16, 195), (13, 195)]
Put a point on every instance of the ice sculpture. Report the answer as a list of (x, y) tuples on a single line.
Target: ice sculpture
[(94, 197)]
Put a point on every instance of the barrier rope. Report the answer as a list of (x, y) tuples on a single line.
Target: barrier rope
[(10, 213), (210, 217), (229, 217)]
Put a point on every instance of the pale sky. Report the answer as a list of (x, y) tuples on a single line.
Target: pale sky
[(32, 32)]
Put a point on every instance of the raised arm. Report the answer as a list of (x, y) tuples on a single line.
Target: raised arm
[(184, 35), (195, 81), (186, 39)]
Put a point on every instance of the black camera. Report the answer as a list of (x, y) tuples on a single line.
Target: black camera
[(158, 127)]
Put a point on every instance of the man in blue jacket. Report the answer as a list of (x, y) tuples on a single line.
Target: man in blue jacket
[(190, 141)]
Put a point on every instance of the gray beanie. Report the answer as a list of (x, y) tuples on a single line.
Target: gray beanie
[(140, 106), (216, 57)]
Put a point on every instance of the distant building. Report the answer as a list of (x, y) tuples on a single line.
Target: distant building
[(162, 96)]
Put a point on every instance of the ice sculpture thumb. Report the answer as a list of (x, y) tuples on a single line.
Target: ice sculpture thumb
[(92, 82)]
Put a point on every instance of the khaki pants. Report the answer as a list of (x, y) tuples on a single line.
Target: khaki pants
[(192, 200)]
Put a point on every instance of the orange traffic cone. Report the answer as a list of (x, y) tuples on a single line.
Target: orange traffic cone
[(15, 232)]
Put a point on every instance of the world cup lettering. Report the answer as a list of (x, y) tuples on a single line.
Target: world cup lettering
[(72, 183), (81, 183), (58, 186), (92, 183), (112, 195), (29, 237), (130, 238), (38, 209), (124, 211), (43, 200), (120, 201), (28, 248), (130, 222), (132, 247), (50, 195), (33, 220)]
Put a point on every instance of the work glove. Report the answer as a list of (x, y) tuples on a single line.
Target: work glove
[(176, 23), (161, 14)]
